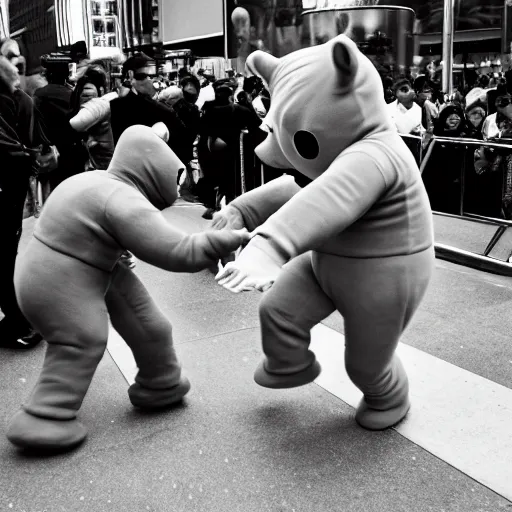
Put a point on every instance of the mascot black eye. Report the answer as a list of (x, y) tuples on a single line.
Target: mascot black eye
[(306, 145)]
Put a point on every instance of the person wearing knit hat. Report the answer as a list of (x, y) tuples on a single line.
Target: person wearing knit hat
[(170, 95), (475, 114), (451, 122), (477, 94), (440, 177)]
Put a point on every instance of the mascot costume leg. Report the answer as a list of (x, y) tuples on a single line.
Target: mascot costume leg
[(72, 278), (352, 233)]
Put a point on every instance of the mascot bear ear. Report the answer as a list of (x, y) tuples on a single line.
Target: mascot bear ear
[(262, 64), (345, 62)]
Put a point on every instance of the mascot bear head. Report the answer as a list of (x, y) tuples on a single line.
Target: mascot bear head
[(324, 99)]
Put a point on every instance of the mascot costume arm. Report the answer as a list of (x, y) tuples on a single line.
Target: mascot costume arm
[(142, 229), (331, 203), (252, 209), (92, 112), (346, 178)]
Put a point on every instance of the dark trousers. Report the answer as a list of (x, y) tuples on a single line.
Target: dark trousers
[(219, 168), (12, 200)]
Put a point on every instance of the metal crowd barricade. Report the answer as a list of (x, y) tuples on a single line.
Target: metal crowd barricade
[(477, 233), (415, 145), (243, 185), (464, 234), (468, 147), (250, 170)]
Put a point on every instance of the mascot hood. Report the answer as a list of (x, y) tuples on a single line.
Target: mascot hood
[(324, 99), (143, 160)]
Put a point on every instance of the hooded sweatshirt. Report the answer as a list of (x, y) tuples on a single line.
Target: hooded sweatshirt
[(94, 217), (442, 130)]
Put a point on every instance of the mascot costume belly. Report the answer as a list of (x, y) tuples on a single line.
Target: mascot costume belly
[(70, 280), (353, 232)]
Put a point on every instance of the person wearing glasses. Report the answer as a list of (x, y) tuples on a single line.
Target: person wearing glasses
[(406, 113), (18, 159), (140, 106)]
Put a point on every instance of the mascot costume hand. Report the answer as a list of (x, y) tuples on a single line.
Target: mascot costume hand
[(350, 232), (73, 278), (254, 269)]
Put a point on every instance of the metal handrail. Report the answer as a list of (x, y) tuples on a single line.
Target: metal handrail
[(470, 142), (480, 219), (485, 261)]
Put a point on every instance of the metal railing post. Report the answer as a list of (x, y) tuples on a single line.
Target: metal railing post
[(448, 25), (242, 164)]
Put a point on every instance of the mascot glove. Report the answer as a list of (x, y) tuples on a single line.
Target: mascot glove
[(161, 130), (254, 269), (229, 217)]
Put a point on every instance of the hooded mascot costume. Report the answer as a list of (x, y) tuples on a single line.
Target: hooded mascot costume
[(353, 232), (70, 280)]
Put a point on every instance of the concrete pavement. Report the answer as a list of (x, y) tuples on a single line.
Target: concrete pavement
[(233, 446)]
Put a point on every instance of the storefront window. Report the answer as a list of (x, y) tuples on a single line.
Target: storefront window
[(104, 23)]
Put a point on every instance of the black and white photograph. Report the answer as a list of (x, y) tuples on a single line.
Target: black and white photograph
[(256, 255)]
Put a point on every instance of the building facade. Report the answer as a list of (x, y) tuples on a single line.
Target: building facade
[(32, 23)]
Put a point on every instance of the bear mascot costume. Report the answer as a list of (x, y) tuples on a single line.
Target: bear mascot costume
[(72, 278), (352, 233)]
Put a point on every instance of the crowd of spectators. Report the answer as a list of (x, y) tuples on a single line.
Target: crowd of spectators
[(459, 178), (59, 125)]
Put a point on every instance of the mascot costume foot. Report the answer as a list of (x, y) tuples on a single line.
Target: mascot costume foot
[(351, 233), (72, 279)]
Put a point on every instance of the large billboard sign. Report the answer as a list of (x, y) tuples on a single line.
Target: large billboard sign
[(189, 20)]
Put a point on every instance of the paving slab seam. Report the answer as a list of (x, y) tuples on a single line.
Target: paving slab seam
[(443, 420), (223, 333), (457, 416), (439, 458), (123, 357)]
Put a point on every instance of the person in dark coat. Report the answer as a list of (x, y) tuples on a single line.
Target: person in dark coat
[(442, 172), (17, 157), (53, 104), (190, 116), (139, 106), (219, 146), (476, 184)]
